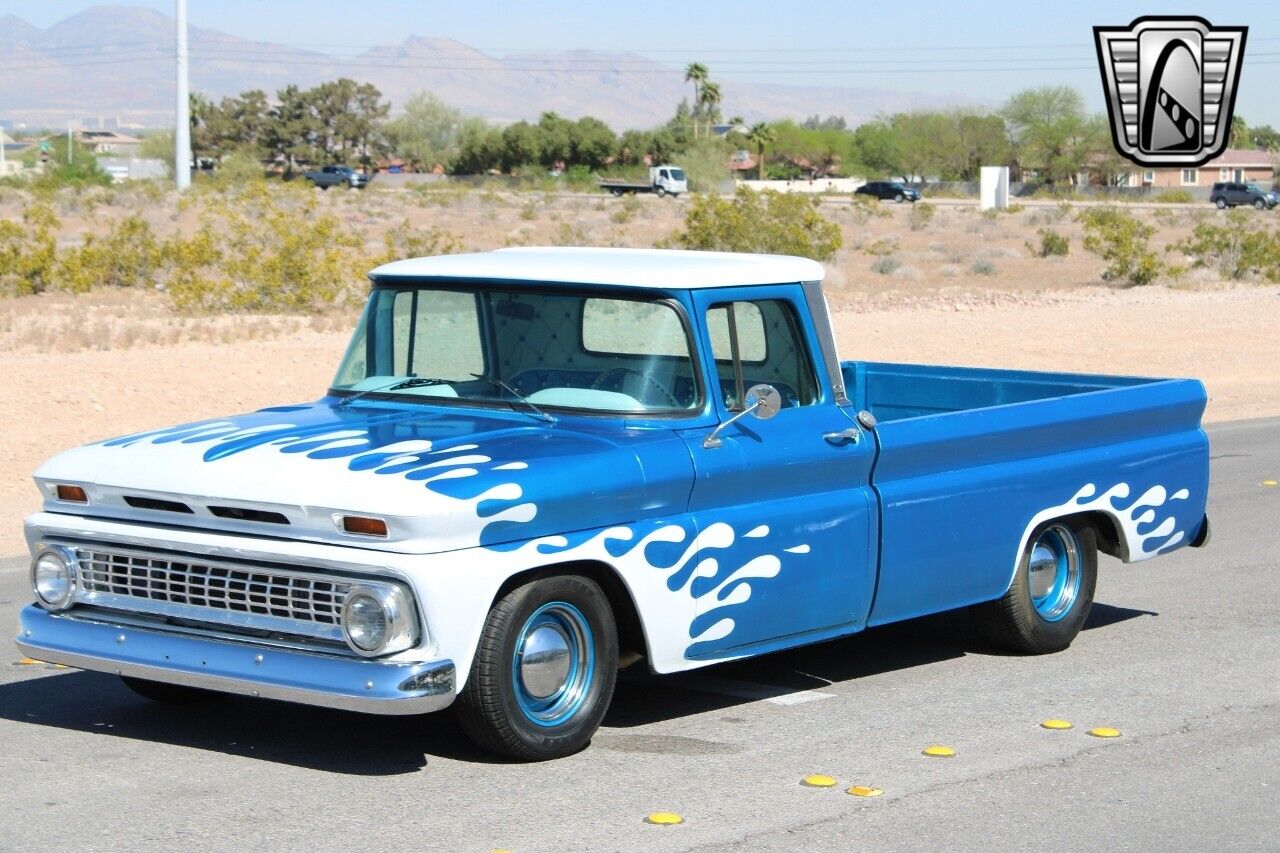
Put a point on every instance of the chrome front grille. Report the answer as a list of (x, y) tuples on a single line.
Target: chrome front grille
[(247, 597)]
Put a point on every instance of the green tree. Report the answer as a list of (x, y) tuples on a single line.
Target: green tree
[(592, 142), (1050, 132), (294, 128), (760, 136), (557, 139), (876, 148), (1239, 133), (709, 100), (521, 145), (426, 133), (480, 148), (1265, 137)]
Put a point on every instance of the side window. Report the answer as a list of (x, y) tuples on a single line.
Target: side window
[(437, 334), (760, 342)]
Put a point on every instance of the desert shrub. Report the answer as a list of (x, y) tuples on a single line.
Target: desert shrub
[(765, 222), (1123, 241), (29, 251), (1238, 249), (237, 168), (865, 207), (1052, 244), (571, 234), (128, 255), (881, 247), (529, 210), (626, 210), (261, 250), (921, 215), (982, 266), (405, 241), (885, 266), (1174, 197)]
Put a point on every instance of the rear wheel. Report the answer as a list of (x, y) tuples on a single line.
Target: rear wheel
[(165, 694), (615, 192), (1051, 594), (544, 670)]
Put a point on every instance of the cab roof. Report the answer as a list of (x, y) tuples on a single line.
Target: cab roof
[(655, 268)]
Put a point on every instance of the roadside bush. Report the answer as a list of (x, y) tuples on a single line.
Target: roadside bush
[(127, 256), (766, 222), (29, 251), (1123, 241), (982, 266), (1174, 197), (886, 266), (1052, 244), (865, 207), (921, 215), (405, 241), (626, 210), (883, 246), (1238, 249)]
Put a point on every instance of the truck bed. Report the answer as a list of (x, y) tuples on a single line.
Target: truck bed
[(969, 457)]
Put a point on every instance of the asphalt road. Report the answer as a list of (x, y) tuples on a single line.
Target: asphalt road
[(1179, 655)]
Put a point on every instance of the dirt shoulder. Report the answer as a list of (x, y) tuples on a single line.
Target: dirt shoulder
[(1229, 338)]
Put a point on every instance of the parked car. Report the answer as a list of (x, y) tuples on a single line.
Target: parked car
[(663, 180), (889, 191), (332, 176), (1230, 194), (536, 466)]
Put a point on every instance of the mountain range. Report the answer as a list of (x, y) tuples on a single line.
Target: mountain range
[(116, 62)]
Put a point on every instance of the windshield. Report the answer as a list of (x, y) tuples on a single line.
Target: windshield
[(548, 349), (677, 174)]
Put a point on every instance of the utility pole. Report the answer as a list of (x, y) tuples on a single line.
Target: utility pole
[(182, 127)]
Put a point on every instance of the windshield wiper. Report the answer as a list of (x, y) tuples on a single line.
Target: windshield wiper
[(498, 383), (411, 382)]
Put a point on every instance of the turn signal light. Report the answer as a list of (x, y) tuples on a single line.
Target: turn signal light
[(74, 494), (363, 525)]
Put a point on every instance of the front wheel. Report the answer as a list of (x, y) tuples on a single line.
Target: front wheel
[(1260, 204), (544, 670), (1221, 203), (661, 191), (899, 198), (1051, 594)]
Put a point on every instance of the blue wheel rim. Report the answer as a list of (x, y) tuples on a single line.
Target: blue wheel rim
[(552, 688), (1054, 573)]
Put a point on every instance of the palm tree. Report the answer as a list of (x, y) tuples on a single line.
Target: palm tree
[(760, 135), (696, 73), (710, 102)]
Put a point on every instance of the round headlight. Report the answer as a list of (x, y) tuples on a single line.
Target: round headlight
[(53, 578), (365, 621)]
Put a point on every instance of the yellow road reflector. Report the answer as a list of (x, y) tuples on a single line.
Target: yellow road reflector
[(864, 791), (819, 780), (30, 662), (1055, 724), (664, 819), (1104, 731), (937, 751), (1270, 483)]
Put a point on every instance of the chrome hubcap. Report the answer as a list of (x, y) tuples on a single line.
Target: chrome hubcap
[(1053, 572), (553, 664), (544, 661)]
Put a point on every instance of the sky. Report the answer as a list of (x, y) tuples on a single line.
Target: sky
[(977, 51)]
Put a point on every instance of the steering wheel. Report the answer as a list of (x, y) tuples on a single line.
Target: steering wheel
[(644, 377)]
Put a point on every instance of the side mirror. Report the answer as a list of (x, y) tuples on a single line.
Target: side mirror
[(763, 401)]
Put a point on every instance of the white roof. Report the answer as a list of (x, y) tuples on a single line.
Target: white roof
[(665, 268)]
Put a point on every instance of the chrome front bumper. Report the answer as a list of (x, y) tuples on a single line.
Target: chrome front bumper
[(351, 684)]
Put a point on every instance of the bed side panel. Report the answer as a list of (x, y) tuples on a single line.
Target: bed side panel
[(961, 491)]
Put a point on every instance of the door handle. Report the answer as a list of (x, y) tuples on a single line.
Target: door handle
[(850, 435)]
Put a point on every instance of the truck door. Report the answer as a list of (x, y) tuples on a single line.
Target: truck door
[(783, 506)]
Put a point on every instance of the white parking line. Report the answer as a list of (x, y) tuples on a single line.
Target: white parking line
[(752, 690)]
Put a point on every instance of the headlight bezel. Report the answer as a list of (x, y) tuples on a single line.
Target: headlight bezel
[(70, 565), (398, 611)]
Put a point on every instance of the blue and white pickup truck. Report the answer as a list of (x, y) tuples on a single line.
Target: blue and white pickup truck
[(536, 466)]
